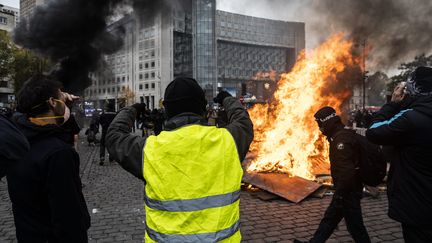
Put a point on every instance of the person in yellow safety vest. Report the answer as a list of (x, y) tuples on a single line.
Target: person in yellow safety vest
[(191, 171)]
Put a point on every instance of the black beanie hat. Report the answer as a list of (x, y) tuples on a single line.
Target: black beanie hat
[(420, 82), (184, 95), (325, 115)]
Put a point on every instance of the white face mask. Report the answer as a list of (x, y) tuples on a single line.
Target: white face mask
[(66, 114)]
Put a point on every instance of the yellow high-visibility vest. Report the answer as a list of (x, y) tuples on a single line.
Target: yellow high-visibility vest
[(192, 191)]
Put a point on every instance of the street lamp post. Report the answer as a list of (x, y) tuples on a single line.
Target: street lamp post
[(364, 74)]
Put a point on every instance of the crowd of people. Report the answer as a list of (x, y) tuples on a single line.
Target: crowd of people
[(192, 192), (361, 118)]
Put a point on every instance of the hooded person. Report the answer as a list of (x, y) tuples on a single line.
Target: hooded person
[(191, 191), (404, 126), (14, 144), (44, 185), (345, 204)]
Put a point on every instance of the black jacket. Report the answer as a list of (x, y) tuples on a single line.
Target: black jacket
[(344, 155), (409, 131), (105, 120), (127, 149), (45, 188), (13, 144)]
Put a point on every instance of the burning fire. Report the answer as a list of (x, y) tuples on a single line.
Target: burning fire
[(287, 138)]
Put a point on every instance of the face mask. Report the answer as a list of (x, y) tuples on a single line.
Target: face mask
[(64, 117)]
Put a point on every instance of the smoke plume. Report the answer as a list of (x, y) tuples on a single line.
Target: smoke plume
[(394, 30), (73, 34)]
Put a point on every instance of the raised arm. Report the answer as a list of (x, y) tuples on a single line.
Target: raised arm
[(126, 148), (239, 125)]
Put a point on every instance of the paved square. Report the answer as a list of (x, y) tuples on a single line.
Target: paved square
[(115, 202)]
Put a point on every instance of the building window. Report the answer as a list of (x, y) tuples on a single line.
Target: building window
[(153, 85), (152, 74), (140, 76), (3, 20), (153, 64), (140, 87), (146, 86), (123, 79), (152, 53), (146, 75), (140, 66), (146, 65)]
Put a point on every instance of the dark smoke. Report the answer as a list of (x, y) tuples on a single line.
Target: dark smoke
[(73, 34), (394, 29)]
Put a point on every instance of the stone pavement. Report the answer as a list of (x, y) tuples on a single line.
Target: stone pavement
[(114, 199)]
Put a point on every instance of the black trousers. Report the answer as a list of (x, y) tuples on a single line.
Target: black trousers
[(345, 206), (416, 235), (102, 146)]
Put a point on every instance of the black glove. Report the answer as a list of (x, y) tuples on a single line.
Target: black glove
[(221, 96), (140, 108)]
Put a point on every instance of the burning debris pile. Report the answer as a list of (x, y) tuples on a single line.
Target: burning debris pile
[(287, 138)]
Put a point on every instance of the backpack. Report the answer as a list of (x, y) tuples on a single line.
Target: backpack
[(371, 164)]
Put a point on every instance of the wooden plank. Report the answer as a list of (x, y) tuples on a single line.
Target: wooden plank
[(294, 189)]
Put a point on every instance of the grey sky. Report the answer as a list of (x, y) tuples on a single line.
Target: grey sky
[(11, 3)]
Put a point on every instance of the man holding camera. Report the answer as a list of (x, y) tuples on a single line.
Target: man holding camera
[(405, 124)]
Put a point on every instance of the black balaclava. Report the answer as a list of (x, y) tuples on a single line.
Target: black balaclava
[(328, 121), (418, 85), (184, 95)]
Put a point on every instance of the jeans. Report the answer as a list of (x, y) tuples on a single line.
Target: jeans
[(347, 206)]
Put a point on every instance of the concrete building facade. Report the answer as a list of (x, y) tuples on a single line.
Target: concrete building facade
[(27, 7), (14, 11), (220, 50), (7, 20), (7, 24)]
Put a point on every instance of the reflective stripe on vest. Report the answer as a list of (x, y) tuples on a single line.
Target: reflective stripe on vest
[(203, 237), (193, 176), (193, 204)]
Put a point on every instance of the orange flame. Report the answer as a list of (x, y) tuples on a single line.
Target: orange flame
[(287, 138)]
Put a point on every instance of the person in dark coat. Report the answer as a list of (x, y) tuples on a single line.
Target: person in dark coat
[(405, 124), (44, 186), (105, 120), (344, 156), (14, 144)]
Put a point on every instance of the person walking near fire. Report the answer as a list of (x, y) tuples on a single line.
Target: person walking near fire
[(348, 184), (192, 171)]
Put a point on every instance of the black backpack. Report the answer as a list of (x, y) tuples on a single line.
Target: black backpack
[(371, 164)]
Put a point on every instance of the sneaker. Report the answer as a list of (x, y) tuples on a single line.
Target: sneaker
[(101, 161)]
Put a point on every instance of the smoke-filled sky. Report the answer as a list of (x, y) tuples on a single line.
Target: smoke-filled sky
[(396, 30)]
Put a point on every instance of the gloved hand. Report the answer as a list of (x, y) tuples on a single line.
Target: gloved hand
[(221, 96), (140, 108)]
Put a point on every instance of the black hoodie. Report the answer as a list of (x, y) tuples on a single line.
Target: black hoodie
[(408, 129), (13, 144), (45, 188)]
